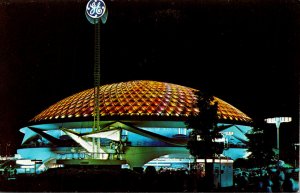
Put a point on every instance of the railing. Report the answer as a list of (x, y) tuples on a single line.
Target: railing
[(85, 155)]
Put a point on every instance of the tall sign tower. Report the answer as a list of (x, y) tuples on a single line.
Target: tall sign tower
[(96, 14)]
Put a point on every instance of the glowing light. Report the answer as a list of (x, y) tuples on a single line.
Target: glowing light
[(219, 140), (95, 8), (228, 133), (27, 167), (141, 98), (27, 162), (278, 121)]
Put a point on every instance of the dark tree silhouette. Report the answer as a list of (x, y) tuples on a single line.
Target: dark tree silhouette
[(201, 143), (260, 147)]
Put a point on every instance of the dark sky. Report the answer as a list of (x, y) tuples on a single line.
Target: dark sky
[(245, 52)]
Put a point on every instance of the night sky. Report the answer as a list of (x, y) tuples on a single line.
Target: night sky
[(244, 52)]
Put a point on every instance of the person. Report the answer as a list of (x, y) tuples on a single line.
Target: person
[(289, 184), (111, 147), (260, 184), (268, 183), (243, 181), (281, 178), (121, 147), (117, 150)]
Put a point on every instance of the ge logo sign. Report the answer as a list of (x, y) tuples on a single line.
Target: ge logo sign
[(95, 8)]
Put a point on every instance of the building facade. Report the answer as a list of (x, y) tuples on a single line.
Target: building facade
[(140, 121)]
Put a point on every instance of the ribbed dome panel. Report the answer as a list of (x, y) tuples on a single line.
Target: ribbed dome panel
[(136, 98)]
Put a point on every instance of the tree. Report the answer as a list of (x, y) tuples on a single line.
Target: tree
[(259, 145), (201, 143)]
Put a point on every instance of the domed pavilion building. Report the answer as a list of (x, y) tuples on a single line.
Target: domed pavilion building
[(140, 121)]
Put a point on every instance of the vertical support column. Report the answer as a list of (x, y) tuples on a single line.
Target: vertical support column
[(278, 121), (95, 9), (97, 74), (96, 142), (278, 141)]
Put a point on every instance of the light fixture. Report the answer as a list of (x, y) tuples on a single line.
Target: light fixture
[(277, 121)]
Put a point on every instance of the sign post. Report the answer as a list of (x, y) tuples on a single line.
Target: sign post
[(96, 9), (277, 121)]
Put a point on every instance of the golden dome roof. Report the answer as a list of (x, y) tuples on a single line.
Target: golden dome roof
[(137, 98)]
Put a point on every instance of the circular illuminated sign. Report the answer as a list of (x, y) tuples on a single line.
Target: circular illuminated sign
[(95, 8)]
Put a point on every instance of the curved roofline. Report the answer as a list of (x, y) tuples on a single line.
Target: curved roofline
[(136, 100), (134, 119), (137, 123)]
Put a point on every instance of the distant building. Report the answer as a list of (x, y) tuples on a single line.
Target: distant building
[(140, 121)]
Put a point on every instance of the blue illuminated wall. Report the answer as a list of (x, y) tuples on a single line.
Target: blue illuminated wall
[(35, 146)]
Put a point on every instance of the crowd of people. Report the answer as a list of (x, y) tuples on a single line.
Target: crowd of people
[(267, 180), (103, 180), (147, 180)]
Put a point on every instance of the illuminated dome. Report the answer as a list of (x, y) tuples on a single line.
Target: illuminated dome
[(143, 98), (146, 117)]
